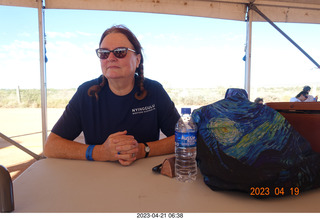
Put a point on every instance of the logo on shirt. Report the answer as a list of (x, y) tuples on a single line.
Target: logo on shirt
[(144, 109)]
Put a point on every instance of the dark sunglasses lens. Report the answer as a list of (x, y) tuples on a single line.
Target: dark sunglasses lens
[(102, 54), (120, 52)]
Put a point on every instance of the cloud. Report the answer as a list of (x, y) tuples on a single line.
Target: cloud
[(72, 62), (18, 44), (70, 35), (203, 66), (25, 34), (65, 35), (19, 64), (86, 34), (192, 60)]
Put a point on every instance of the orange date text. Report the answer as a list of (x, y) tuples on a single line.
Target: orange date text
[(277, 191)]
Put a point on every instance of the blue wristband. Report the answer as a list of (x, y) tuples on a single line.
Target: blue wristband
[(89, 152)]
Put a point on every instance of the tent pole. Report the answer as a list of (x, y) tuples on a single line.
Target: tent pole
[(43, 78), (247, 80), (253, 7)]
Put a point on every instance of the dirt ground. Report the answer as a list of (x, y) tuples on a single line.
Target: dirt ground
[(23, 125)]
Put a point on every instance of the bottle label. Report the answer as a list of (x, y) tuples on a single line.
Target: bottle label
[(188, 139)]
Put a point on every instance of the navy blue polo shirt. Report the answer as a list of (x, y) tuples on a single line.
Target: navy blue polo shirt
[(97, 119)]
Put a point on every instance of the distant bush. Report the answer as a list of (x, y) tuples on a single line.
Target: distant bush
[(196, 96), (31, 98), (59, 98)]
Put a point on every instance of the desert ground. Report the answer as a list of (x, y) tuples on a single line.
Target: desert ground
[(24, 126)]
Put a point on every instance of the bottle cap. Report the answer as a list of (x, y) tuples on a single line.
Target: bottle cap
[(185, 110)]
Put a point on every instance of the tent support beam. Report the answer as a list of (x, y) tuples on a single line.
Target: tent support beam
[(247, 78), (253, 7), (43, 78)]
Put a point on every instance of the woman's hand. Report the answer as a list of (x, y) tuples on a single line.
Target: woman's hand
[(120, 146)]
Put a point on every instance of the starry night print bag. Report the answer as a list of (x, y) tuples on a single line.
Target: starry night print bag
[(249, 147)]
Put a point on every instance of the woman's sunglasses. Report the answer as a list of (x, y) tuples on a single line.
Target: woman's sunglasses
[(119, 52)]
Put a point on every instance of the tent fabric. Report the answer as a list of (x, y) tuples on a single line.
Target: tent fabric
[(243, 146), (19, 3), (301, 11)]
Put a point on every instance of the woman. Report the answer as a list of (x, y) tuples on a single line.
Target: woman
[(310, 97), (258, 100), (301, 97), (120, 113)]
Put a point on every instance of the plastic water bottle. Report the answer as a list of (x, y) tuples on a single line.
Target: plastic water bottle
[(186, 147)]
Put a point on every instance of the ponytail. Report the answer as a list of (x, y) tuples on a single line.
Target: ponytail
[(95, 89), (142, 93)]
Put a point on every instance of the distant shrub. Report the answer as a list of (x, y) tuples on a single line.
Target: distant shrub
[(59, 98), (31, 98)]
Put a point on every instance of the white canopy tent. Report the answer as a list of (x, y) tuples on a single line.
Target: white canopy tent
[(300, 11), (293, 11)]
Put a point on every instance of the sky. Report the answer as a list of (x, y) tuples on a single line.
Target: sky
[(179, 51)]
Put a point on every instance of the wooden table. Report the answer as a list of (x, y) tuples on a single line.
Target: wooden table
[(58, 185)]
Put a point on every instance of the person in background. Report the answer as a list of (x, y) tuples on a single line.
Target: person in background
[(301, 97), (259, 100), (120, 113), (310, 97)]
